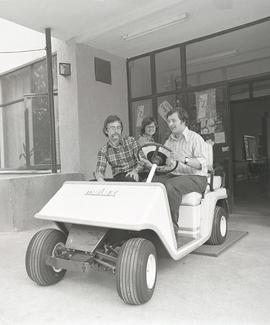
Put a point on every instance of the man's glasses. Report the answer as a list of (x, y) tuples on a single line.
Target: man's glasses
[(114, 128)]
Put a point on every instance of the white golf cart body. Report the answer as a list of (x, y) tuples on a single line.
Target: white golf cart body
[(118, 226), (135, 207)]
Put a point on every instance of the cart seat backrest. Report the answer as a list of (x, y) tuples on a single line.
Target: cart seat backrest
[(209, 155)]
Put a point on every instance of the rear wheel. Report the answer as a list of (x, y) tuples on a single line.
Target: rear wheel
[(45, 243), (136, 271), (219, 228)]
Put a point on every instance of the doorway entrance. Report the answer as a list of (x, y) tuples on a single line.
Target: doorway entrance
[(250, 121)]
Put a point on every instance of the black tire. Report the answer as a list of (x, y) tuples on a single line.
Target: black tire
[(41, 246), (219, 228), (135, 285)]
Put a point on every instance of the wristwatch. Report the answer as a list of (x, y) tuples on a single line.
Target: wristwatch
[(186, 161)]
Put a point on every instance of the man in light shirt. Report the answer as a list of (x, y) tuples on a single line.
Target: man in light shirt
[(188, 148)]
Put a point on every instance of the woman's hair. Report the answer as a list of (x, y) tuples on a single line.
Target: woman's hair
[(111, 119), (182, 114), (146, 121)]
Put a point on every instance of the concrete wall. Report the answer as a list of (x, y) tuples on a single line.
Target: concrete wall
[(84, 103), (22, 197)]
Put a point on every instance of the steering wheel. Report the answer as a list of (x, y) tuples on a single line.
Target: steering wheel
[(157, 157)]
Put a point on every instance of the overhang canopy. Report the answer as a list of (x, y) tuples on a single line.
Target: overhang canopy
[(114, 25)]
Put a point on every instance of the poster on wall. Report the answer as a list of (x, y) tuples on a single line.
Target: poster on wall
[(206, 104), (208, 125), (140, 114), (207, 116), (201, 104), (220, 137), (163, 109)]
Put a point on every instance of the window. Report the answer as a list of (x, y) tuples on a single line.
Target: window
[(168, 71), (238, 92), (229, 56), (140, 77), (24, 119), (165, 104), (139, 110), (261, 88)]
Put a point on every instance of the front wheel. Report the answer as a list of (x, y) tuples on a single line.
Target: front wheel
[(136, 271), (44, 243), (219, 228)]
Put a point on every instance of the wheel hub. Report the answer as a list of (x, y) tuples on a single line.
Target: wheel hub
[(223, 226), (55, 253), (151, 270)]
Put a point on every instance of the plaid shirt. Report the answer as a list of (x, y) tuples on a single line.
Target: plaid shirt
[(121, 158)]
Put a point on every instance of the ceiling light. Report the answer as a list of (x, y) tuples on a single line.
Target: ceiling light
[(154, 28), (213, 57)]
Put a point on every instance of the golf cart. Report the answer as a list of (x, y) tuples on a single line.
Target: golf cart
[(119, 226)]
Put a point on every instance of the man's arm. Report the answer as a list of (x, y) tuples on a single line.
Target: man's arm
[(140, 164), (200, 153), (198, 161), (195, 163), (101, 166), (134, 173)]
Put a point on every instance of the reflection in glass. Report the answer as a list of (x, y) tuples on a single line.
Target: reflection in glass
[(25, 135), (229, 56), (14, 151), (261, 88), (247, 69), (139, 110), (39, 76), (165, 104), (239, 92), (25, 125), (168, 71), (15, 84), (206, 109), (140, 77)]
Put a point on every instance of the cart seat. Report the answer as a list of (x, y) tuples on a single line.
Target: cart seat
[(194, 198), (214, 181), (190, 210)]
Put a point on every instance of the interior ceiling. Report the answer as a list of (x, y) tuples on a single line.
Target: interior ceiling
[(102, 23)]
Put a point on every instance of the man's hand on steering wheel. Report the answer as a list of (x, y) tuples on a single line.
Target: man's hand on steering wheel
[(178, 157), (146, 162), (158, 157)]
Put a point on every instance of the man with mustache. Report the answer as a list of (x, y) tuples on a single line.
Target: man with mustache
[(119, 152)]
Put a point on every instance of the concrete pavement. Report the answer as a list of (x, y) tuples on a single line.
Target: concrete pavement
[(231, 289)]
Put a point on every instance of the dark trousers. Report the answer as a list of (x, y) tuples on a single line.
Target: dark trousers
[(177, 186), (122, 177)]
